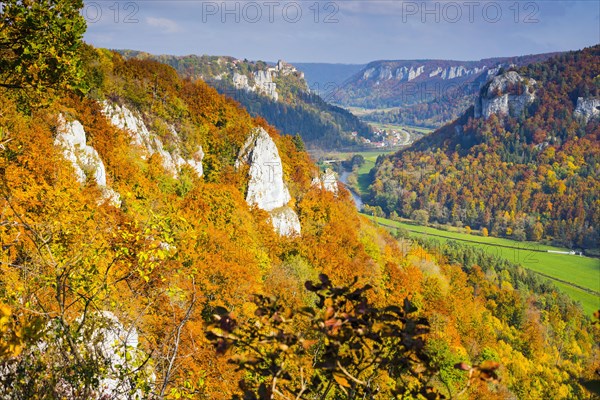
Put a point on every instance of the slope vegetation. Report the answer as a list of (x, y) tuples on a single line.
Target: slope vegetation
[(278, 93), (133, 218), (523, 163)]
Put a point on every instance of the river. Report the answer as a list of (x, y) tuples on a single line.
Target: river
[(355, 196)]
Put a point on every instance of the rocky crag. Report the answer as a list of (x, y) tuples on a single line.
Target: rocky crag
[(267, 188), (506, 94)]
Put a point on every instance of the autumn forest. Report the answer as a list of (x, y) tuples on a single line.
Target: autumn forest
[(139, 260)]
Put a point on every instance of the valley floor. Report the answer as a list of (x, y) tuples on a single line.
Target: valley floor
[(578, 276), (575, 275)]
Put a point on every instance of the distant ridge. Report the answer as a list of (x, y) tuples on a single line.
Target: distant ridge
[(429, 92)]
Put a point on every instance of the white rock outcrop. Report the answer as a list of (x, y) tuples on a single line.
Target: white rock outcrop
[(506, 94), (266, 187), (123, 118), (455, 71), (240, 81), (587, 108), (85, 159), (435, 72), (408, 74), (327, 181), (385, 73), (118, 346), (414, 73), (104, 344), (285, 221), (263, 83), (368, 73)]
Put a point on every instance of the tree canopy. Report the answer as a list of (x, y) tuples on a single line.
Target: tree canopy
[(39, 41)]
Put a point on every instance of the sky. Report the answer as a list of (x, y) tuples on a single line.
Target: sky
[(343, 31)]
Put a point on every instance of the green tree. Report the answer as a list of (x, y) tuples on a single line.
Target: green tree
[(39, 41), (421, 217), (297, 139), (538, 231)]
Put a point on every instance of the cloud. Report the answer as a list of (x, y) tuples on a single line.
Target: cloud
[(165, 24)]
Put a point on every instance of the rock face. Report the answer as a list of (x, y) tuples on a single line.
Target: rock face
[(409, 73), (458, 71), (105, 346), (407, 83), (506, 94), (285, 221), (587, 108), (85, 160), (118, 346), (123, 118), (263, 83), (263, 79), (327, 181), (266, 187)]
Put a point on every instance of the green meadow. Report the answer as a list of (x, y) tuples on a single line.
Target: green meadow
[(577, 276)]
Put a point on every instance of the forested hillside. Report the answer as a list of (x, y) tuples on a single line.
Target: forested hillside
[(279, 94), (523, 163), (157, 241)]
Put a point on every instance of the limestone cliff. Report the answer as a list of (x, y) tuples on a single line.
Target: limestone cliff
[(262, 80), (266, 186), (422, 92), (85, 160), (263, 83), (407, 73), (277, 92), (109, 344), (506, 94), (327, 181), (123, 118), (587, 108), (118, 346)]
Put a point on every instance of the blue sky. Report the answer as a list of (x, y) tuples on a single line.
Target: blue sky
[(356, 31)]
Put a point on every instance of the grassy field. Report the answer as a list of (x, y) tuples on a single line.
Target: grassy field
[(363, 171), (418, 129), (360, 111), (577, 276)]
